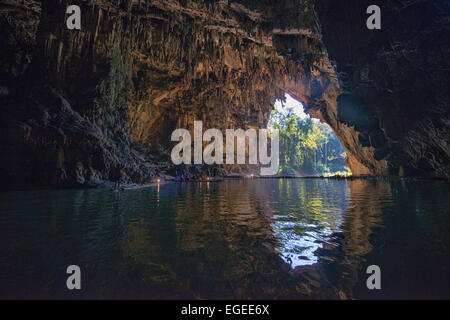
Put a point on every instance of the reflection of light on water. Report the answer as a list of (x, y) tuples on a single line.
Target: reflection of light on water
[(298, 250), (227, 237), (157, 194), (310, 222)]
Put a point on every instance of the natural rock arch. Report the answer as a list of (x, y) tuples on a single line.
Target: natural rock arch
[(109, 94)]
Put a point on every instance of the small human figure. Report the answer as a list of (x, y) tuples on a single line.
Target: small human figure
[(119, 179)]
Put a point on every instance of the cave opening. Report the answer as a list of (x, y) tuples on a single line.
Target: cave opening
[(308, 147)]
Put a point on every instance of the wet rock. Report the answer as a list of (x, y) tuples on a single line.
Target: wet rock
[(79, 171), (111, 95), (400, 106)]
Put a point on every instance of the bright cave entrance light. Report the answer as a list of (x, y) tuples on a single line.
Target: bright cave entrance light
[(308, 147)]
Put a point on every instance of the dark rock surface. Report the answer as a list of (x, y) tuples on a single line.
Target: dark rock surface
[(395, 81), (77, 106)]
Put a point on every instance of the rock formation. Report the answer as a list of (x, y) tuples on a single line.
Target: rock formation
[(78, 105), (395, 82)]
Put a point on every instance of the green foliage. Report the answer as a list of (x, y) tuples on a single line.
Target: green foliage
[(307, 147)]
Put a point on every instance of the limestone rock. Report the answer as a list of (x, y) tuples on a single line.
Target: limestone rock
[(110, 95)]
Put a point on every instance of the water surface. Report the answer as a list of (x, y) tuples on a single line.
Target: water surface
[(238, 239)]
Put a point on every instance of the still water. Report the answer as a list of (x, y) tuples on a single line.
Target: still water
[(237, 239)]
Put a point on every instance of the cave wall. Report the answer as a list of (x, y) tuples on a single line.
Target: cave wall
[(394, 80), (78, 105)]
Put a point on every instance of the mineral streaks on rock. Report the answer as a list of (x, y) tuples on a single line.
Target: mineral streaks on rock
[(84, 103)]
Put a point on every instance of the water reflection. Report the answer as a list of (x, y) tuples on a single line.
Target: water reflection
[(306, 214), (306, 238)]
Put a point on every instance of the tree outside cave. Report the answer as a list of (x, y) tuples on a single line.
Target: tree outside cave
[(307, 146)]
